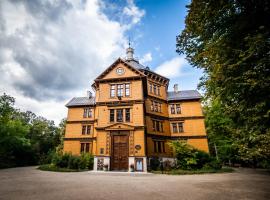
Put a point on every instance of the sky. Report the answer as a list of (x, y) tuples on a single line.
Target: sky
[(52, 50)]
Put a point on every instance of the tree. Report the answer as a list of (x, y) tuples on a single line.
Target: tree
[(230, 41), (25, 138)]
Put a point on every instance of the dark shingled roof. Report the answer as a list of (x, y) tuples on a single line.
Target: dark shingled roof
[(184, 95), (81, 101), (135, 64)]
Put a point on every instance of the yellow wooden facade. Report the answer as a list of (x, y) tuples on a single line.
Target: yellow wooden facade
[(146, 112)]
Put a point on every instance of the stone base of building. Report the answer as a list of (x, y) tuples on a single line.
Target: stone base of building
[(139, 163)]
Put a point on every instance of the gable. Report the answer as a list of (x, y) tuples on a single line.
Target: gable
[(119, 126), (119, 69)]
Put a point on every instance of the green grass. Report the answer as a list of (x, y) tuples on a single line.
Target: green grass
[(50, 167), (198, 171)]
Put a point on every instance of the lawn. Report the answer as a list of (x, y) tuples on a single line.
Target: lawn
[(198, 171), (50, 167)]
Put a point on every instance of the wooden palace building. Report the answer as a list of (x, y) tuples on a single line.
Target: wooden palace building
[(132, 118)]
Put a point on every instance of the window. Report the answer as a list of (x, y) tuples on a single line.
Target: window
[(88, 130), (159, 107), (83, 129), (85, 147), (156, 106), (127, 90), (90, 112), (112, 91), (150, 87), (157, 126), (127, 115), (87, 112), (172, 109), (174, 126), (119, 115), (120, 90), (111, 115), (158, 90), (155, 89), (161, 127), (159, 146), (180, 127), (178, 109), (152, 106)]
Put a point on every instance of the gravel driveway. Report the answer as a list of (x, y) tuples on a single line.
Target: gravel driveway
[(30, 183)]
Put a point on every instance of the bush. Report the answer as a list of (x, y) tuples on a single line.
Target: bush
[(74, 162), (154, 163), (214, 164), (189, 158), (86, 161), (66, 160)]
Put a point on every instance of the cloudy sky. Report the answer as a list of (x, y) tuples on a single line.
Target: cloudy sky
[(51, 50)]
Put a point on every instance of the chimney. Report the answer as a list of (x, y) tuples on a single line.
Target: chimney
[(175, 87), (89, 94)]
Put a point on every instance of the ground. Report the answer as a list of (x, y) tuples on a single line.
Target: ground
[(31, 183)]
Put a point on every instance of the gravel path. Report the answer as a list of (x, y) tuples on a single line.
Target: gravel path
[(30, 183)]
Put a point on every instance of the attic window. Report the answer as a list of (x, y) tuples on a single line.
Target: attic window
[(120, 71)]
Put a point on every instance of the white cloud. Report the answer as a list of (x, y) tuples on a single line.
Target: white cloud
[(172, 68), (51, 51), (133, 11), (146, 58)]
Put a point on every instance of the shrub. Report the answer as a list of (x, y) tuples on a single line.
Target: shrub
[(86, 161), (74, 162), (191, 158), (214, 164), (167, 165), (154, 163), (202, 158)]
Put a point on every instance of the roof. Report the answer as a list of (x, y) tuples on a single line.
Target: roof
[(135, 64), (184, 95), (81, 101)]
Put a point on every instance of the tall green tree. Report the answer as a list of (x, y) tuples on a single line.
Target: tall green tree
[(230, 41), (25, 139)]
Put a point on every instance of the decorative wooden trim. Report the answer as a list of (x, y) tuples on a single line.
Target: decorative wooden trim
[(82, 122), (160, 117), (165, 137), (121, 129), (119, 79), (156, 98), (80, 139), (83, 106), (181, 100), (120, 103), (183, 118), (156, 116)]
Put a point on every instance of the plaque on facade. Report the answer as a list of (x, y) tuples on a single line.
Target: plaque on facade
[(138, 147)]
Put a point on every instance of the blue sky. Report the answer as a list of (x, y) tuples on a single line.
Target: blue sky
[(162, 22), (51, 51)]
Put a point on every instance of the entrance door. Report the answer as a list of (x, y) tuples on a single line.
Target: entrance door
[(120, 152)]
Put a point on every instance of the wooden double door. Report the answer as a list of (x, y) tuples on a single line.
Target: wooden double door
[(119, 158)]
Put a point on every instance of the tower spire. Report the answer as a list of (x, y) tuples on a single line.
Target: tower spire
[(129, 51)]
